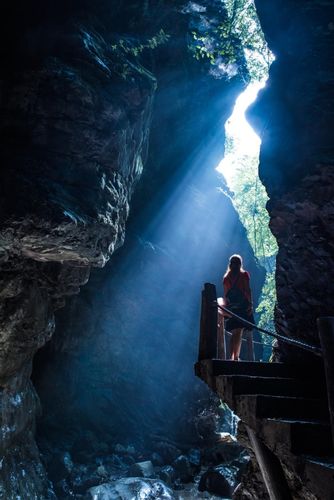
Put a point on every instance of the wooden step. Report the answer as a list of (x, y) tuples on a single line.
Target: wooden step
[(320, 473), (261, 406), (312, 437), (229, 386), (218, 367), (297, 436)]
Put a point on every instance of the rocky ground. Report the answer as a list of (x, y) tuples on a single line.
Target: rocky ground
[(120, 471), (90, 465)]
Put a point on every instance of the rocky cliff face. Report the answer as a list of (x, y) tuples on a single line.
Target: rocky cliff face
[(73, 140), (294, 115), (76, 104)]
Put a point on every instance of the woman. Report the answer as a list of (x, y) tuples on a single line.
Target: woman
[(238, 298)]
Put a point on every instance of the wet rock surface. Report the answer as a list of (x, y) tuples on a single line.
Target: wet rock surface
[(132, 488), (220, 481)]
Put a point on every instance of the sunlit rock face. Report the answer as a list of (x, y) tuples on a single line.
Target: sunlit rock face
[(73, 138), (294, 116)]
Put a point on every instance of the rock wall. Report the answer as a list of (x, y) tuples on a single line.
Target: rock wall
[(73, 140), (294, 116), (76, 100)]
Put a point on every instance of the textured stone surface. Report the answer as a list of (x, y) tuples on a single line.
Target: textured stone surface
[(73, 138), (130, 488), (219, 481), (142, 469), (295, 116), (75, 115)]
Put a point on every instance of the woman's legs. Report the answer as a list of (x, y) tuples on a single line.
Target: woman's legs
[(236, 343)]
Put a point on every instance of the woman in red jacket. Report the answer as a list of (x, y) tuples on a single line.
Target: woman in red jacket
[(238, 298)]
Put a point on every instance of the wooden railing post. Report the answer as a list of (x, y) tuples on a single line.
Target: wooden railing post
[(208, 328), (221, 350), (326, 334), (250, 345)]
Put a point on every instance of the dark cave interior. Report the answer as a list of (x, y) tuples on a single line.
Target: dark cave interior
[(111, 221)]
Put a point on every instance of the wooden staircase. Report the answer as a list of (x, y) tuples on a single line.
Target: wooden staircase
[(286, 406)]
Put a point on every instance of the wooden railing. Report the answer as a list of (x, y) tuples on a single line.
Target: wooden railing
[(213, 336), (212, 343)]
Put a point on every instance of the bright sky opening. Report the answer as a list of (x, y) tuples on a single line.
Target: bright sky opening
[(244, 139)]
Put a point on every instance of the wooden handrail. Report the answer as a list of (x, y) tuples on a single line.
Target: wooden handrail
[(212, 343)]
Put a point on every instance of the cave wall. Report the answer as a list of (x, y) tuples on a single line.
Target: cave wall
[(75, 122), (73, 140), (75, 118), (294, 117)]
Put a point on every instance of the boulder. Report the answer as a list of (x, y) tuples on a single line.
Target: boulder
[(167, 474), (131, 450), (132, 489), (102, 471), (60, 466), (194, 457), (220, 481), (119, 448), (157, 459), (222, 452), (183, 469), (142, 469), (167, 451), (83, 477)]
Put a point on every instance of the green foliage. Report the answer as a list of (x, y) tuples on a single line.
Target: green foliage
[(217, 45), (246, 27), (240, 31), (265, 310), (130, 48), (249, 199)]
